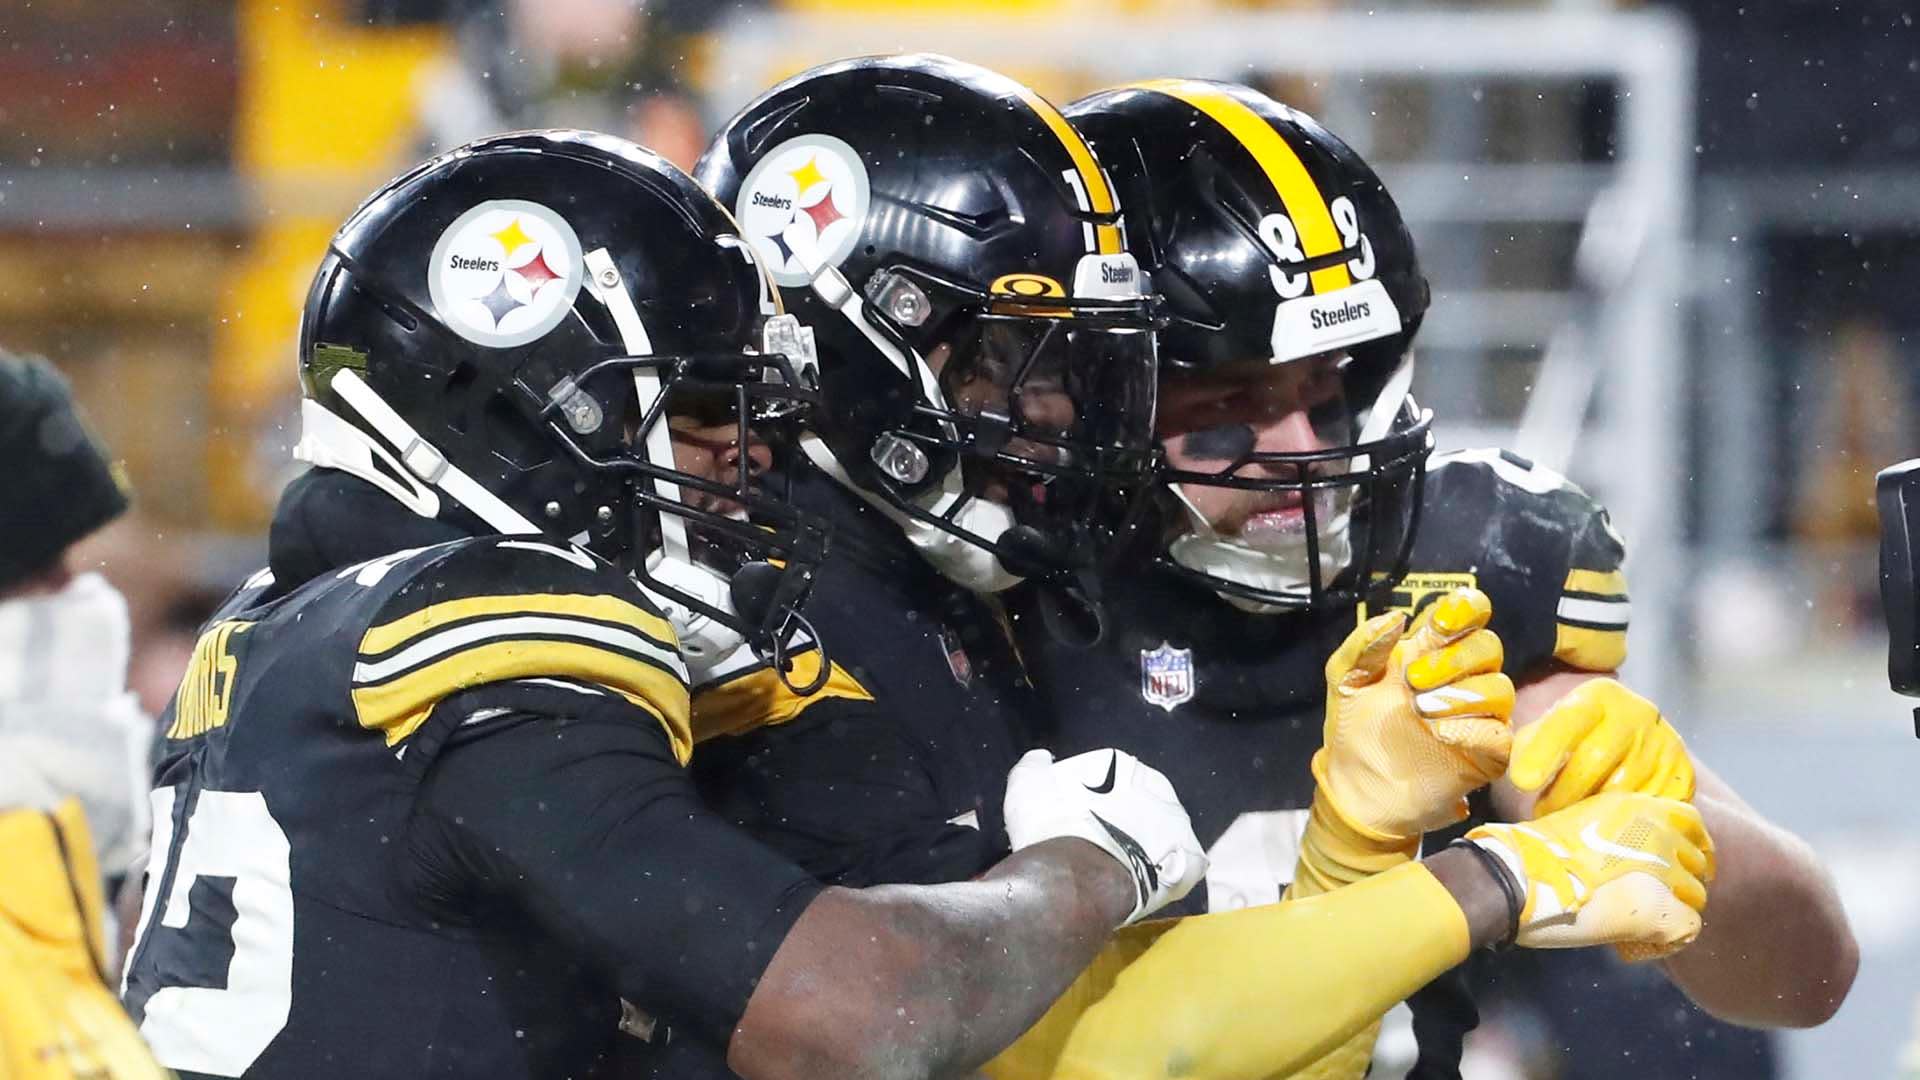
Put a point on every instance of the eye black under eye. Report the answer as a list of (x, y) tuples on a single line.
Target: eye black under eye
[(1224, 442)]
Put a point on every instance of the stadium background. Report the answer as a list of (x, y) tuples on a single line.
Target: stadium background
[(1672, 248)]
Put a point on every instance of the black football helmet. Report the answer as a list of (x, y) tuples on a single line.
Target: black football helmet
[(1271, 242), (986, 339), (499, 337)]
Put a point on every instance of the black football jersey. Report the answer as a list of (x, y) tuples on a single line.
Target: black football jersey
[(893, 771), (1230, 705), (284, 932)]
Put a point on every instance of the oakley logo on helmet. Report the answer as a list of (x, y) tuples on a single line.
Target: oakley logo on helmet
[(1026, 285), (803, 206), (505, 272)]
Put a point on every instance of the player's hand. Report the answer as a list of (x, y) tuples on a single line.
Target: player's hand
[(1619, 868), (1600, 737), (1416, 719), (1120, 805)]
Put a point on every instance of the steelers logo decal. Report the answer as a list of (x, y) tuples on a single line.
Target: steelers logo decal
[(802, 206), (505, 272)]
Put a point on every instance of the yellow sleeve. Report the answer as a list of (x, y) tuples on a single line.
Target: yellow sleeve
[(1243, 995), (1333, 854)]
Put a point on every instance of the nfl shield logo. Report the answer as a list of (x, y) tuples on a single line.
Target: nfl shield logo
[(958, 661), (1166, 676)]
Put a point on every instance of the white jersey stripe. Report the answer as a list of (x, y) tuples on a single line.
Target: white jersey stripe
[(512, 626), (1596, 612)]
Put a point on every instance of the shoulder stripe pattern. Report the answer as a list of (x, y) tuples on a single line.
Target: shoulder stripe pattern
[(753, 696), (1600, 614), (534, 627), (1305, 203), (611, 609), (408, 666), (1591, 620)]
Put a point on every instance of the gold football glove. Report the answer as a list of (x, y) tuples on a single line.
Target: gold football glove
[(1600, 737), (1619, 868), (1415, 719)]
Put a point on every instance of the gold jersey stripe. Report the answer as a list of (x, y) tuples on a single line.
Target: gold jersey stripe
[(1291, 181), (1099, 196), (398, 708), (1607, 583), (389, 636), (1589, 650), (757, 698)]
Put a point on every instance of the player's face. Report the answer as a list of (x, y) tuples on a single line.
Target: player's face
[(711, 450), (1208, 422), (981, 388)]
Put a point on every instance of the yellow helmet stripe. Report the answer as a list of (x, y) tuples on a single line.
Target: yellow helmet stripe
[(1297, 191), (1099, 196)]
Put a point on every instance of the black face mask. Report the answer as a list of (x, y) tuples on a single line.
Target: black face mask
[(1057, 409), (1358, 503)]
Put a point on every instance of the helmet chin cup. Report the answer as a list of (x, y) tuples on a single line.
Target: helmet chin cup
[(963, 561), (751, 594), (704, 640), (1279, 572)]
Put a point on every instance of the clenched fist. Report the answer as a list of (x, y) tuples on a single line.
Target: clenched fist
[(1416, 719)]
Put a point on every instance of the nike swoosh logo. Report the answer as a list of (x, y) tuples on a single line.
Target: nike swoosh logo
[(1591, 837), (1146, 875), (1106, 786)]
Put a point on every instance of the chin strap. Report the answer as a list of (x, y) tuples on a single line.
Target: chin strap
[(415, 478), (961, 561), (1205, 551), (703, 638)]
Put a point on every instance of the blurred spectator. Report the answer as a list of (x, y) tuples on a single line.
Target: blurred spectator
[(59, 1017), (1863, 420), (68, 725), (72, 742)]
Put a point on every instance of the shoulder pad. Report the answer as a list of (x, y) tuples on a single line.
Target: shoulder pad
[(742, 692), (1539, 546), (502, 609), (252, 591)]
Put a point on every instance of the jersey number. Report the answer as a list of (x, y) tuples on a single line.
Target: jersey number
[(228, 897)]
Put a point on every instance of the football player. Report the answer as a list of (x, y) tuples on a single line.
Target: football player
[(422, 810), (958, 251), (987, 379), (1294, 486)]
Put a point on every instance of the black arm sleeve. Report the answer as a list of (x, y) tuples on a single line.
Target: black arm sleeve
[(842, 792), (585, 824)]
